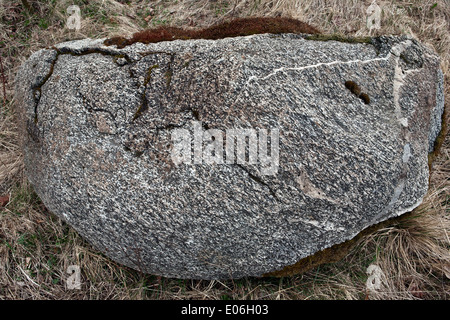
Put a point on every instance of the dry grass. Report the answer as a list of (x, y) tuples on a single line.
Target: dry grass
[(10, 156), (36, 248)]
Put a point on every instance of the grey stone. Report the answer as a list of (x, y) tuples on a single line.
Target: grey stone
[(98, 124)]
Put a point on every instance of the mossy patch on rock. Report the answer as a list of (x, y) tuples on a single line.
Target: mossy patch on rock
[(353, 87), (365, 97), (234, 28), (356, 90)]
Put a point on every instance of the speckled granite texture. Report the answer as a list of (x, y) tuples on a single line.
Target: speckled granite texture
[(97, 123)]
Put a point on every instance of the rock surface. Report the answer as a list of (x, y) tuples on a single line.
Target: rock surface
[(98, 126)]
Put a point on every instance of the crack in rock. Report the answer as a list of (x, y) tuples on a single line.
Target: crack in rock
[(37, 89)]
